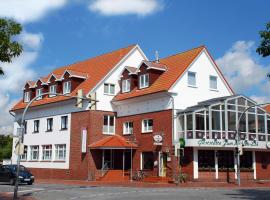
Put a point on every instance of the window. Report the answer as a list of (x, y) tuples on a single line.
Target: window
[(206, 159), (147, 160), (225, 159), (36, 126), (34, 152), (109, 88), (108, 124), (144, 81), (128, 128), (192, 79), (24, 155), (25, 127), (64, 122), (52, 90), (147, 125), (246, 160), (47, 152), (26, 97), (213, 82), (60, 152), (49, 124), (126, 85), (38, 93), (67, 87)]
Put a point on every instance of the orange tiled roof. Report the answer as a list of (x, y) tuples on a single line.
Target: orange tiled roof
[(267, 108), (96, 68), (175, 66), (113, 142)]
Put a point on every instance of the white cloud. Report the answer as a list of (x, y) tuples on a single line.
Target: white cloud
[(25, 11), (124, 7), (16, 74), (241, 68)]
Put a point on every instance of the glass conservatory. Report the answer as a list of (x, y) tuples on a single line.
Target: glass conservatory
[(213, 123)]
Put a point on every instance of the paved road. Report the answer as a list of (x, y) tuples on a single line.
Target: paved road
[(61, 192)]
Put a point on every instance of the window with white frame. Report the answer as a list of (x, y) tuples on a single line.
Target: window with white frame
[(64, 122), (60, 152), (38, 93), (26, 97), (52, 90), (144, 81), (213, 82), (128, 128), (36, 126), (34, 152), (108, 124), (147, 125), (109, 88), (46, 152), (24, 155), (49, 124), (192, 79), (126, 85), (67, 87)]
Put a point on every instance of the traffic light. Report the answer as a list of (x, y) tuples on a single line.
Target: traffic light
[(79, 98)]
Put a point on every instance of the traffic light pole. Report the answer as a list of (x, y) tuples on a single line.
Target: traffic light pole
[(238, 140), (80, 97)]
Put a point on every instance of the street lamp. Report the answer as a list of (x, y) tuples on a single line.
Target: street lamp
[(238, 139), (79, 97)]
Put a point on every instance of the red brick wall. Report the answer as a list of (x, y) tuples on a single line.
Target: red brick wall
[(162, 123), (187, 164), (263, 165)]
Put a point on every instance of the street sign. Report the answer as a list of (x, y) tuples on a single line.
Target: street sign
[(157, 139), (18, 151)]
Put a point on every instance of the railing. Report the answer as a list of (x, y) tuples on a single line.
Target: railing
[(104, 169)]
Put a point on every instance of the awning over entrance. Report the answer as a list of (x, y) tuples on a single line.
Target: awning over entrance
[(113, 142)]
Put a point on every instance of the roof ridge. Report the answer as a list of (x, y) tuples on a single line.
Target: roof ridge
[(201, 46)]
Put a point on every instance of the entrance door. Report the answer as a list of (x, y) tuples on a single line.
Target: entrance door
[(162, 164), (108, 158)]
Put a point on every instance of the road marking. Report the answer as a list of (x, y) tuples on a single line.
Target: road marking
[(24, 191)]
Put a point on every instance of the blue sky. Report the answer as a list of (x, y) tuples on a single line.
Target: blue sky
[(62, 32)]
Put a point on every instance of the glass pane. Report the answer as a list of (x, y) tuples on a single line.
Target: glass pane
[(199, 122), (251, 123), (261, 124), (213, 82), (191, 78), (105, 120), (215, 120), (111, 121), (112, 89), (231, 121), (106, 88), (242, 124), (241, 101), (189, 122)]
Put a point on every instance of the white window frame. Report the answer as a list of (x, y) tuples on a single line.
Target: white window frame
[(36, 126), (125, 85), (49, 126), (26, 97), (34, 149), (65, 127), (52, 89), (142, 81), (107, 129), (127, 129), (111, 89), (39, 92), (147, 128), (24, 155), (60, 148), (47, 149), (216, 84), (67, 87), (195, 79)]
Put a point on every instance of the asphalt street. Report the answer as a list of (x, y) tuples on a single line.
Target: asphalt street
[(64, 192)]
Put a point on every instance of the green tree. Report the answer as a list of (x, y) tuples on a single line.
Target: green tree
[(9, 47), (264, 48), (5, 147)]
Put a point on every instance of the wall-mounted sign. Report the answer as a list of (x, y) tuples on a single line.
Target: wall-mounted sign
[(268, 145), (226, 143), (84, 140), (158, 139)]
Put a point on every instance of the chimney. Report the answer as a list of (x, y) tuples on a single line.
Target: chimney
[(157, 57)]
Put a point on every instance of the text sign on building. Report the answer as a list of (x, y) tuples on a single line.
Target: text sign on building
[(84, 140), (158, 139)]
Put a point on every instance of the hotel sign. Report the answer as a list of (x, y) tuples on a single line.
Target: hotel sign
[(226, 143), (158, 139)]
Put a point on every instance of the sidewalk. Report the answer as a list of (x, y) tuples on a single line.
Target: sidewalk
[(250, 184)]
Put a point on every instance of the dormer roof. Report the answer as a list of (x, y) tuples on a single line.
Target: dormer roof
[(154, 65)]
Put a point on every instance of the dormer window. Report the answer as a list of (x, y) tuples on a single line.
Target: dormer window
[(38, 93), (67, 87), (26, 97), (126, 85), (144, 81), (52, 89)]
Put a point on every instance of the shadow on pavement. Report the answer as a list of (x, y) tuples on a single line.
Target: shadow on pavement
[(250, 194)]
